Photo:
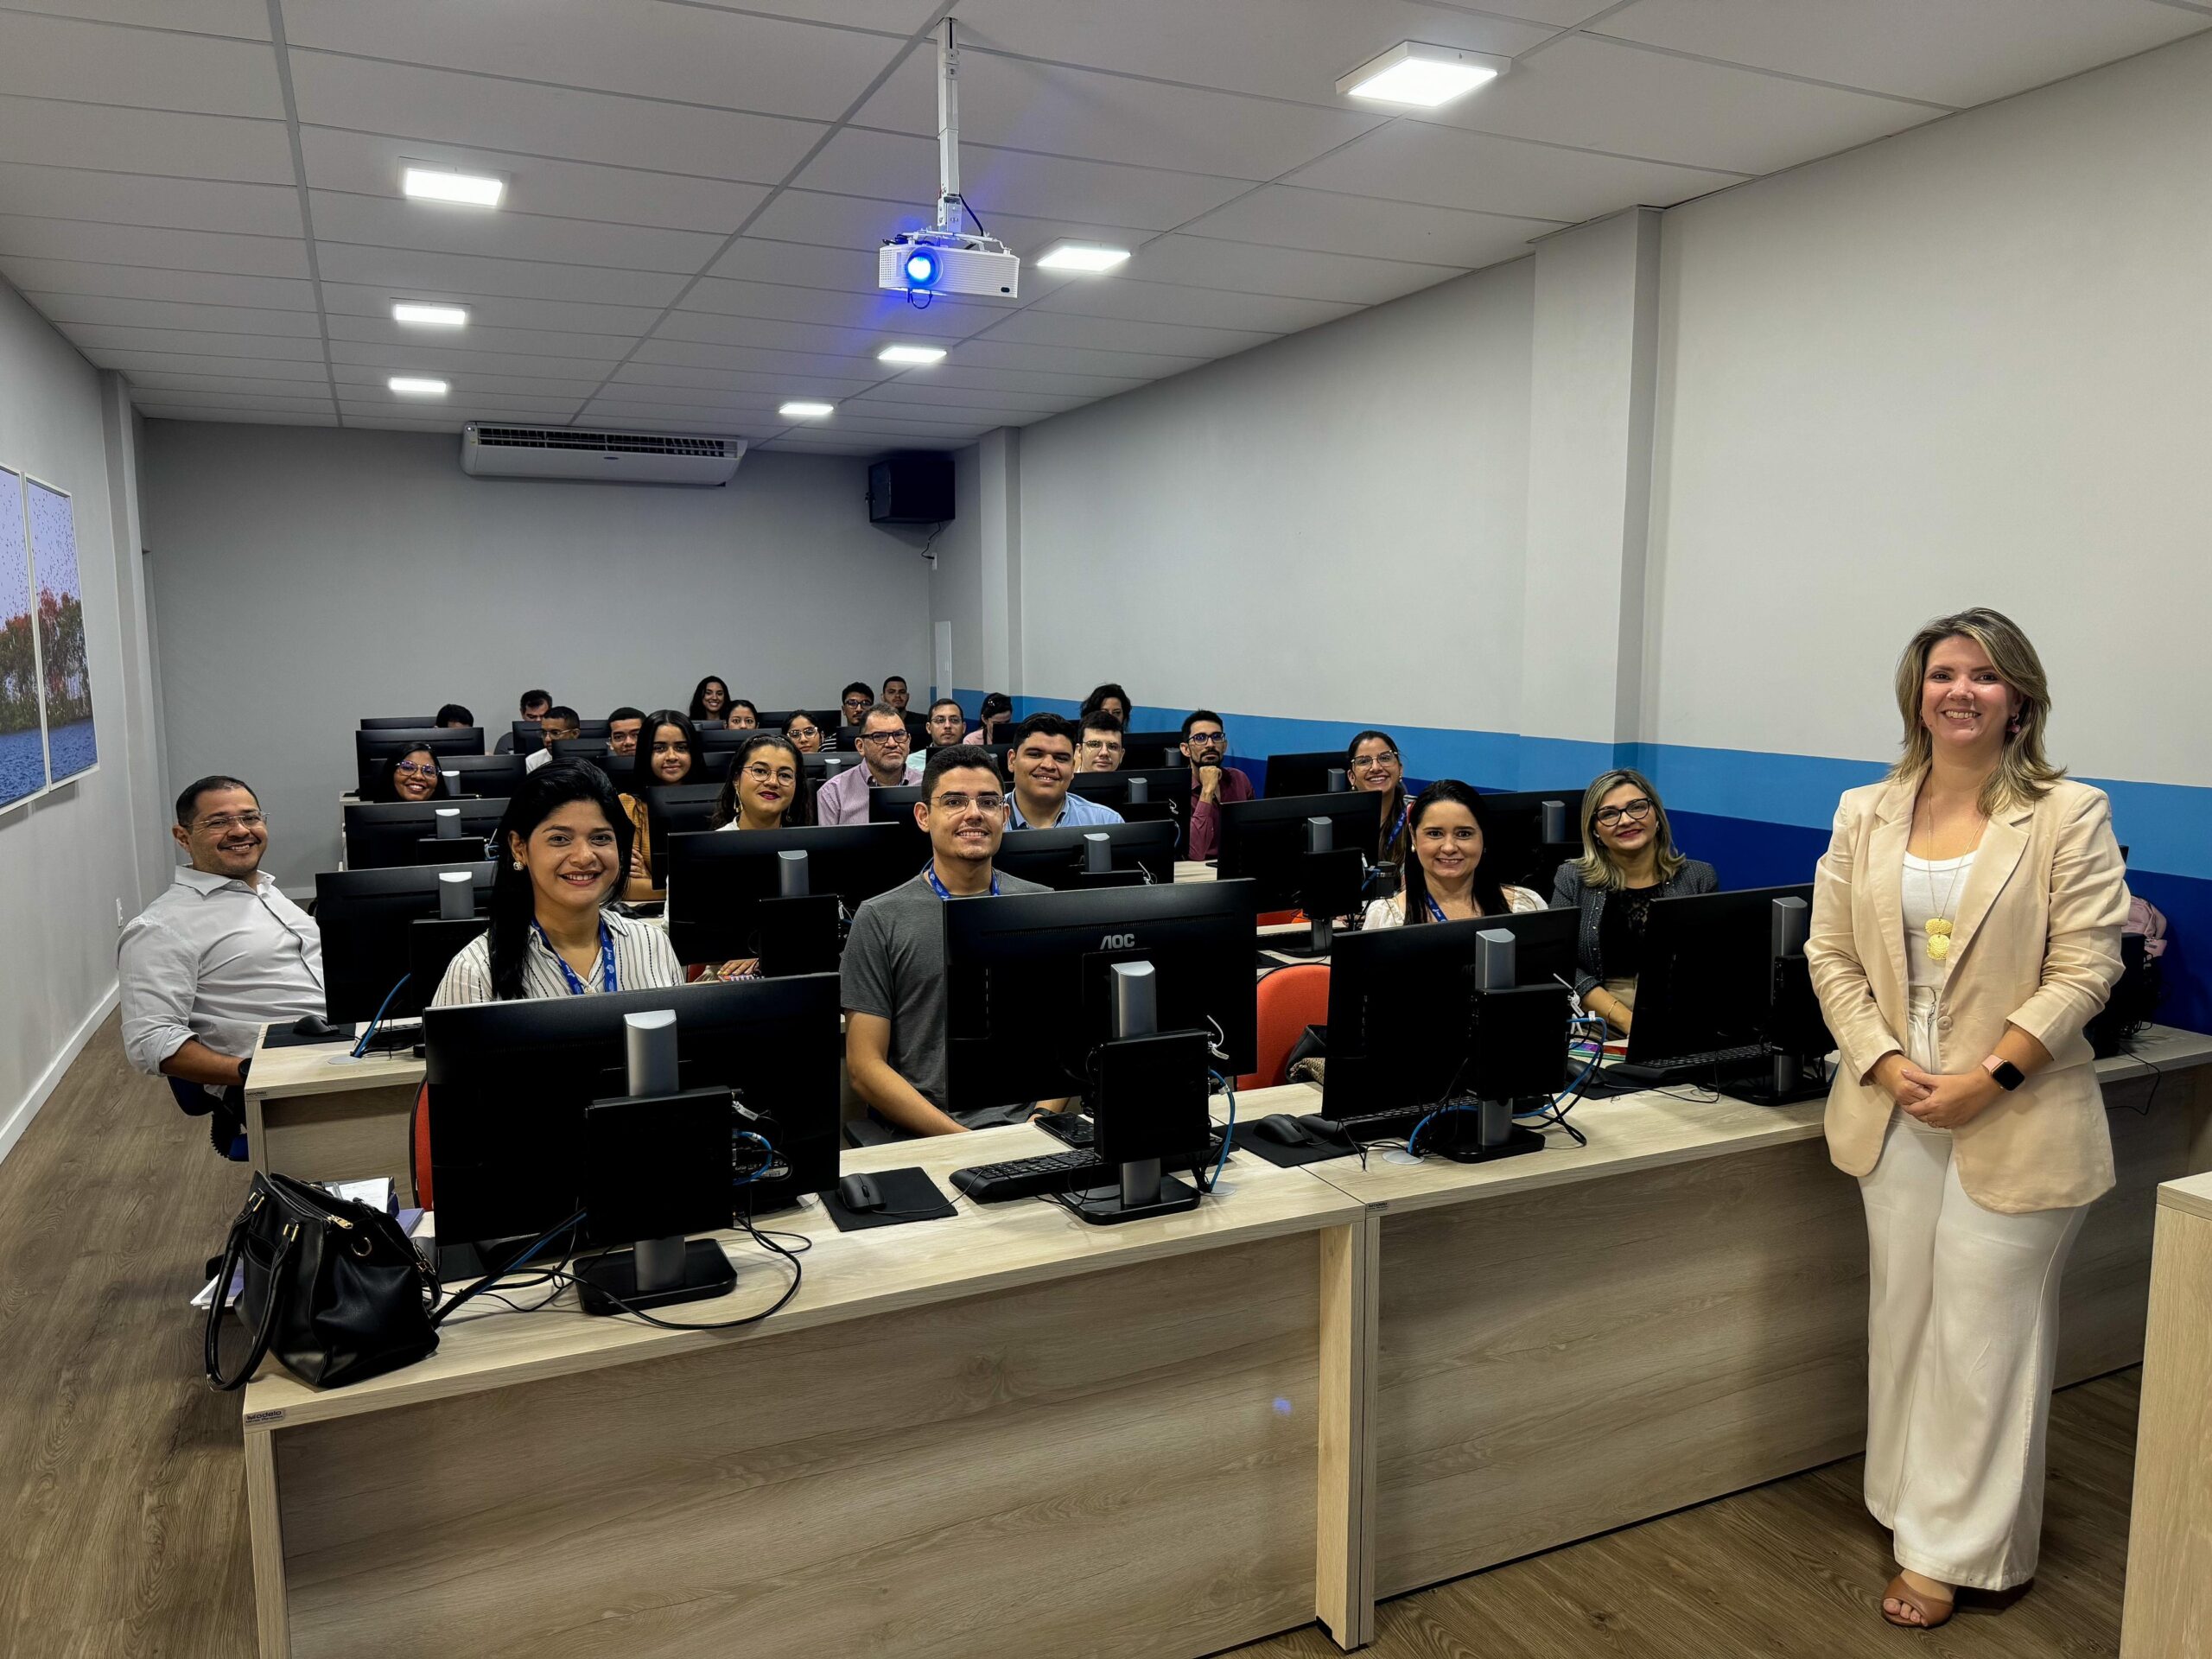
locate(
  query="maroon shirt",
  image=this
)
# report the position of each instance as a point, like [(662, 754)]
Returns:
[(1205, 816)]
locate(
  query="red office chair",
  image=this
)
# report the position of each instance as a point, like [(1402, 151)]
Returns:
[(1291, 999), (418, 1136)]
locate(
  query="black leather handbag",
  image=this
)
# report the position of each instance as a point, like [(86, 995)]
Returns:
[(332, 1288)]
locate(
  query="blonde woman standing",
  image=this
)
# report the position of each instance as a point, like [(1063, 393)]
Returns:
[(1966, 927)]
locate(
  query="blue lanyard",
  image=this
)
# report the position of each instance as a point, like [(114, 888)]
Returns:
[(930, 870), (605, 960), (1435, 910)]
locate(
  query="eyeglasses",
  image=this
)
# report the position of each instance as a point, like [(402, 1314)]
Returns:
[(760, 773), (223, 823), (1100, 745), (417, 769), (959, 803), (1637, 810), (883, 737), (1375, 762), (1200, 740), (855, 702)]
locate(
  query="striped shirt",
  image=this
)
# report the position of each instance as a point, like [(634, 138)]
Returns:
[(643, 960)]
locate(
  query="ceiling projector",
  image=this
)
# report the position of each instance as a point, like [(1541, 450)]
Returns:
[(918, 263)]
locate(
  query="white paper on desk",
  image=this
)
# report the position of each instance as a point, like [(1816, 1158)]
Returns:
[(376, 1193), (230, 1297)]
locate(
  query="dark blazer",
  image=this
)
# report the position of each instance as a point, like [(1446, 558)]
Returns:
[(1568, 892)]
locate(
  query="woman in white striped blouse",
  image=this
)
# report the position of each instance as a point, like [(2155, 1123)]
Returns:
[(565, 842)]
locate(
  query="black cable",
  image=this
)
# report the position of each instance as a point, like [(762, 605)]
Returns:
[(2158, 1077)]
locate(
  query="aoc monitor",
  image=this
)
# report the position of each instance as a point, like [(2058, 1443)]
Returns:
[(1716, 978), (1303, 773), (1129, 854), (383, 835), (485, 774), (1268, 841), (397, 723), (529, 735), (365, 916), (675, 809), (372, 749), (1520, 842), (1148, 749), (730, 893)]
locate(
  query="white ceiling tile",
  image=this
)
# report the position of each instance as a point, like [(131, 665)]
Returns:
[(948, 318), (136, 199), (433, 107), (134, 245), (693, 54), (1054, 109), (366, 164), (70, 310), (143, 141), (866, 414), (154, 411), (1955, 52), (1447, 167), (992, 352), (1112, 335), (1599, 94), (730, 417), (477, 338), (305, 380), (756, 259), (134, 362), (445, 423), (457, 365), (710, 331), (287, 401), (937, 394), (1077, 388), (690, 356), (572, 388), (882, 438), (246, 19), (442, 227), (92, 337), (1298, 273), (705, 384), (139, 282), (1207, 308), (496, 310), (775, 388), (404, 268), (893, 167), (1277, 215), (104, 63), (1281, 48)]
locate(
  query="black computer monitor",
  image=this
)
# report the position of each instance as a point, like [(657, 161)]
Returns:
[(486, 774), (820, 768), (1516, 843), (431, 947), (1029, 984), (384, 835), (1137, 854), (1266, 840), (1303, 773), (1712, 982), (529, 735), (509, 1083), (896, 805), (1405, 1028), (725, 891), (777, 718), (365, 916), (372, 749), (677, 809), (1167, 793), (396, 722), (717, 746), (1149, 749), (579, 748)]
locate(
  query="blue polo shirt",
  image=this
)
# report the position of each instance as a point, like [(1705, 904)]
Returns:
[(1076, 808)]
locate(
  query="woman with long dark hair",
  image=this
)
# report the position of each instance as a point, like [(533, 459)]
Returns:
[(413, 776), (1372, 762), (1111, 698), (563, 843), (1445, 880), (766, 787), (668, 756), (709, 699)]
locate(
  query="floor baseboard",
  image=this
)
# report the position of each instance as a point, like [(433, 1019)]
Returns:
[(20, 1115)]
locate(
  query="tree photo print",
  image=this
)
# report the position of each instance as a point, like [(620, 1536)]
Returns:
[(65, 678), (23, 734)]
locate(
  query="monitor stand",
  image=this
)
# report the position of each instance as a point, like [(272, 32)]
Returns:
[(1782, 1080), (1478, 1132), (1140, 1065), (655, 1273)]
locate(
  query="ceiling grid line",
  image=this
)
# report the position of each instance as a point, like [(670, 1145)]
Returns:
[(300, 182)]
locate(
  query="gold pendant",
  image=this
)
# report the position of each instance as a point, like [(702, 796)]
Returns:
[(1939, 946)]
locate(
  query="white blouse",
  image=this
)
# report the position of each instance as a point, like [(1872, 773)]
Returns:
[(1391, 912), (1930, 889), (643, 960)]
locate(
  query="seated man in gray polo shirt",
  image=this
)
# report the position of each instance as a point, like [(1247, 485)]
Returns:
[(221, 952), (893, 965)]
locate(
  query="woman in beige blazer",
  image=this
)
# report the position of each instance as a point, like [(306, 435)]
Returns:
[(1966, 927)]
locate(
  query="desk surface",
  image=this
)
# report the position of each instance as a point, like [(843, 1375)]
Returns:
[(2192, 1194), (849, 1275), (325, 1069)]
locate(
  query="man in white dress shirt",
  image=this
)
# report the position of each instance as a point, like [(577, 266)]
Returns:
[(221, 952)]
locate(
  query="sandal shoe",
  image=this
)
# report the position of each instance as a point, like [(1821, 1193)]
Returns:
[(1933, 1610)]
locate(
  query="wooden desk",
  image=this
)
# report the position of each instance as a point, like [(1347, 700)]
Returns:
[(2169, 1607), (1009, 1427), (316, 1113), (1582, 1338)]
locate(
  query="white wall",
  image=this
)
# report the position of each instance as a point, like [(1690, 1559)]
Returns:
[(1329, 527), (69, 858), (1965, 365), (307, 577)]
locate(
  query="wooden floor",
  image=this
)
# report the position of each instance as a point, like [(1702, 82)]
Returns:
[(123, 1524)]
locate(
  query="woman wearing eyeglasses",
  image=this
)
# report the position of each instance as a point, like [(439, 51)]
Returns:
[(765, 788), (1629, 858), (1372, 763), (413, 776)]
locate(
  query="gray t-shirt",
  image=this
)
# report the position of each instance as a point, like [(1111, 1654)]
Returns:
[(894, 968)]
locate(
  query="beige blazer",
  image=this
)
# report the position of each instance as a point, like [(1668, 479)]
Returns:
[(2035, 944)]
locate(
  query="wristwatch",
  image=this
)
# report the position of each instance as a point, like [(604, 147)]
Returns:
[(2009, 1077)]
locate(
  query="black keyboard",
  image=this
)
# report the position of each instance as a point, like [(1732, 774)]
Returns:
[(1393, 1125), (1686, 1068), (1072, 1128), (1026, 1178)]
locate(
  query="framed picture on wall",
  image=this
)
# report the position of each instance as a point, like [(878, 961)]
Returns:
[(65, 676), (22, 730)]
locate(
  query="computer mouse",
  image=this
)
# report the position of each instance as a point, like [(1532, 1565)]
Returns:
[(315, 1028), (860, 1194), (1284, 1130)]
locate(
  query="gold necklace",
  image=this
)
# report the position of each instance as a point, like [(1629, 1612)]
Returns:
[(1938, 926)]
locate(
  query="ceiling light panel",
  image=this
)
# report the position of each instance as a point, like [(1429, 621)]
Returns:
[(435, 184), (1421, 76)]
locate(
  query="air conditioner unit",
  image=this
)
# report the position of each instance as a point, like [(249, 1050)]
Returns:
[(598, 457)]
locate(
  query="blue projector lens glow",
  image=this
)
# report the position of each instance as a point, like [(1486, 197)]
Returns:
[(921, 268)]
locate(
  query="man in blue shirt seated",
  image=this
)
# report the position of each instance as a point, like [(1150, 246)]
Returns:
[(1042, 759)]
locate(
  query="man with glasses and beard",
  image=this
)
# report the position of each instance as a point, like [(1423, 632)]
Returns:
[(1213, 780), (843, 799)]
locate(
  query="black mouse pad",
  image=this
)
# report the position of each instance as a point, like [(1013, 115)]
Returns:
[(1248, 1139), (908, 1195), (285, 1036)]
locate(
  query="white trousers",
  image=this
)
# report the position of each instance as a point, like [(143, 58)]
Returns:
[(1962, 1333)]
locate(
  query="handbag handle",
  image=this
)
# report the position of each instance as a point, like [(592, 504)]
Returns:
[(212, 1342)]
